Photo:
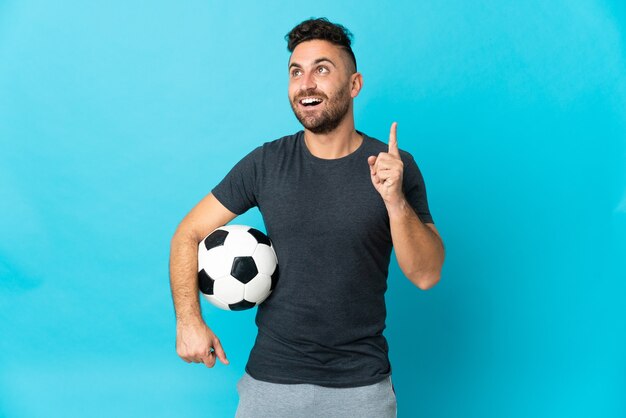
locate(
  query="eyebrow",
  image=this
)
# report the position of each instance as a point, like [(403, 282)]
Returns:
[(317, 61)]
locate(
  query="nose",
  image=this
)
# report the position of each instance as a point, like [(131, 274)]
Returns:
[(307, 82)]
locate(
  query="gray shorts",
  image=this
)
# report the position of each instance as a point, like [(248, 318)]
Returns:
[(260, 399)]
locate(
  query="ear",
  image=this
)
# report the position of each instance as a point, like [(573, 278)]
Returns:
[(356, 83)]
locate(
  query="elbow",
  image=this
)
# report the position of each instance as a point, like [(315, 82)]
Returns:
[(179, 235), (184, 236), (186, 231), (425, 281)]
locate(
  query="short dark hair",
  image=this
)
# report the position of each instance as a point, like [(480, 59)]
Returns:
[(323, 29)]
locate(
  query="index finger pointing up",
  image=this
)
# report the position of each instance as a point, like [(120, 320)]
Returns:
[(393, 140)]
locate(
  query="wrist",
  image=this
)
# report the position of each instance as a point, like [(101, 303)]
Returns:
[(397, 208), (189, 320)]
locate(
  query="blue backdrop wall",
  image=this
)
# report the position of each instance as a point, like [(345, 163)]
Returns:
[(117, 117)]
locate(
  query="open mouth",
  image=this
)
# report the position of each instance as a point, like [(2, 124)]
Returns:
[(310, 101)]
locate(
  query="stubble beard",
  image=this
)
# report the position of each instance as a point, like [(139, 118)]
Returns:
[(336, 109)]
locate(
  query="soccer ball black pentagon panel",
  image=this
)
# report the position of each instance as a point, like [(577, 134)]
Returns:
[(237, 267)]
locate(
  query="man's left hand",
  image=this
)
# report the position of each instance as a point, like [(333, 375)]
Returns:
[(386, 171)]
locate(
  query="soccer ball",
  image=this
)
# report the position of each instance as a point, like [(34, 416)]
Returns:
[(237, 267)]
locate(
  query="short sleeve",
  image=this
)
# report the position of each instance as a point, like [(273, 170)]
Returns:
[(415, 189), (237, 191)]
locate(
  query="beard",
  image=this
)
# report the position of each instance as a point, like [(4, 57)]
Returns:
[(328, 119)]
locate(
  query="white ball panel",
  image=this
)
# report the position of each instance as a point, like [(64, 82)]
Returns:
[(265, 259), (257, 288), (216, 262), (239, 243), (216, 302), (228, 289), (234, 227), (263, 298)]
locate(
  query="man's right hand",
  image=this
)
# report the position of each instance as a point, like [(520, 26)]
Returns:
[(195, 342)]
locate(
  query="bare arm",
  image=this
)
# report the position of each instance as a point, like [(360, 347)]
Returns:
[(419, 248), (194, 339)]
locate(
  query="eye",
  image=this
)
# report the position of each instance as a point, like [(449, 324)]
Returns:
[(322, 70), (296, 72)]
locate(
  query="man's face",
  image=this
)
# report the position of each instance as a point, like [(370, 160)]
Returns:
[(320, 90)]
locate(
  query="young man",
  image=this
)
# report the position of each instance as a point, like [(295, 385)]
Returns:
[(334, 202)]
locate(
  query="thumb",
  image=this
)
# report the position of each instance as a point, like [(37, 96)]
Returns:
[(219, 351), (371, 160)]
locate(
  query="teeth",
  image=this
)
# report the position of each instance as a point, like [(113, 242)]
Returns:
[(309, 100)]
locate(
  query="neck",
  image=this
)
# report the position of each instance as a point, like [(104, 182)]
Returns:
[(341, 141)]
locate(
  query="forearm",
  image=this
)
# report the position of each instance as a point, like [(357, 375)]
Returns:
[(419, 250), (183, 278)]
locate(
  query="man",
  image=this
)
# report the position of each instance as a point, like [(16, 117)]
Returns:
[(334, 202)]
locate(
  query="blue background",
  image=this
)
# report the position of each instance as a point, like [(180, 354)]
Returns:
[(117, 117)]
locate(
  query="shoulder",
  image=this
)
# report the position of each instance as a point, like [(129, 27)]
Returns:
[(282, 144), (274, 148), (277, 149)]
